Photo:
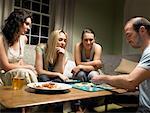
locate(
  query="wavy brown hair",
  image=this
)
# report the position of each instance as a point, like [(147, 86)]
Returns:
[(13, 23)]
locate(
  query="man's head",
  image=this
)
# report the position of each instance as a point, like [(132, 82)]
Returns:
[(136, 29)]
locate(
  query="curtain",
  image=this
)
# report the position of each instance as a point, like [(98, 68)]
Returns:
[(63, 17), (5, 9)]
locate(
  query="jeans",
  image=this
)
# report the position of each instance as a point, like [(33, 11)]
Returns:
[(45, 78), (85, 76), (143, 109)]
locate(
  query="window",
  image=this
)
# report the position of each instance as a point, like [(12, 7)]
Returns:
[(40, 10)]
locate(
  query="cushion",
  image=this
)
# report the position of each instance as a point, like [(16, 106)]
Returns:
[(68, 68), (126, 66), (29, 54)]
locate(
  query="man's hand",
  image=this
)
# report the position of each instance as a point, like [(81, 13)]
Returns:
[(97, 79)]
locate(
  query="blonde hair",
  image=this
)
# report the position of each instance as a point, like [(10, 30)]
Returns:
[(50, 53)]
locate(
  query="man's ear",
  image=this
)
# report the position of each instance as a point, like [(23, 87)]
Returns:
[(142, 29)]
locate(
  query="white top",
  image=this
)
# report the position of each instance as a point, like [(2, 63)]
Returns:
[(16, 55)]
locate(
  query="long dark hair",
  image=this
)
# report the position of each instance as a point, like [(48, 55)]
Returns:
[(12, 24)]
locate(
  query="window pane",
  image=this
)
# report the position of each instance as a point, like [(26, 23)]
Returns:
[(45, 9), (17, 3), (44, 31), (28, 39), (43, 40), (45, 20), (40, 10), (36, 18), (35, 6), (26, 4), (35, 30), (45, 1), (37, 0), (28, 32), (34, 40)]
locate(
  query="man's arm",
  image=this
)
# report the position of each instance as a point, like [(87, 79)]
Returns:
[(126, 81)]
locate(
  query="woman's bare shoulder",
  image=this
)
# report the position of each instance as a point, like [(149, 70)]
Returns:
[(42, 45), (77, 45), (1, 37), (24, 37), (97, 45)]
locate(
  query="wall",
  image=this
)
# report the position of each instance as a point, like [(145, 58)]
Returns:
[(134, 8), (105, 17)]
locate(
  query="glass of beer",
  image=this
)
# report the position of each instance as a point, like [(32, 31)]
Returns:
[(18, 82)]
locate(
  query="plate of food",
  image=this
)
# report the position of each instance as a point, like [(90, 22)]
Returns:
[(49, 86)]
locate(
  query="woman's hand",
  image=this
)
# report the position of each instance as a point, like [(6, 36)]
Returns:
[(76, 70), (97, 64), (60, 50), (21, 62), (63, 77), (30, 67)]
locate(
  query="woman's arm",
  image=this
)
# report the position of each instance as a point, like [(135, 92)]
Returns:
[(4, 59), (60, 61), (80, 65), (128, 81), (97, 63), (77, 54)]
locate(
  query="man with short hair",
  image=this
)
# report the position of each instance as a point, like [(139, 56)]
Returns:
[(137, 31)]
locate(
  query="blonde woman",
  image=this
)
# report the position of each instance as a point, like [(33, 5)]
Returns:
[(50, 58)]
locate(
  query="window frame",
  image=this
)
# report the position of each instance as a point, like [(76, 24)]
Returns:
[(40, 37)]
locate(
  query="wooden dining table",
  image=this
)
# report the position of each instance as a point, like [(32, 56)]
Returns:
[(27, 97)]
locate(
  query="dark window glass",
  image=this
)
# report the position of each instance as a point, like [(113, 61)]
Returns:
[(45, 20), (44, 31), (28, 32), (34, 40), (36, 18), (28, 39), (40, 10), (26, 4), (43, 40), (35, 30), (37, 0), (17, 3), (45, 1), (45, 9), (36, 7)]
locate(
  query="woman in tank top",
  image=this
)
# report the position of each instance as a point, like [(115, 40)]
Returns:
[(12, 42), (87, 56)]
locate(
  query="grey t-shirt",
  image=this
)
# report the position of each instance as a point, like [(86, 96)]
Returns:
[(144, 87)]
